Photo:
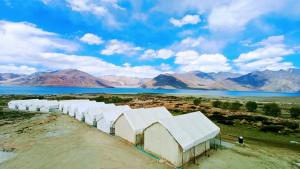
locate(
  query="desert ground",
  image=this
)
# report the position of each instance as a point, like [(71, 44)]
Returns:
[(47, 141)]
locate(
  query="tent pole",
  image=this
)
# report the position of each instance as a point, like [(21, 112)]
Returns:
[(220, 140), (205, 148), (182, 159), (194, 155), (214, 143)]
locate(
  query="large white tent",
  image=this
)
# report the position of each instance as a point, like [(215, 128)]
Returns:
[(94, 113), (109, 116), (180, 138), (130, 124)]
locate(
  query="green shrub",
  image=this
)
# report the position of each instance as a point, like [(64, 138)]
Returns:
[(295, 112), (235, 106), (272, 109), (251, 106), (225, 105), (197, 101), (216, 104)]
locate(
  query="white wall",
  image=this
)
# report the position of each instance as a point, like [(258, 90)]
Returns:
[(158, 141), (124, 130), (103, 125), (199, 149)]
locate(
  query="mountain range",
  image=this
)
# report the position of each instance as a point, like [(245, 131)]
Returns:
[(68, 77), (282, 80)]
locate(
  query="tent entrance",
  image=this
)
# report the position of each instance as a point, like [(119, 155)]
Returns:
[(112, 131)]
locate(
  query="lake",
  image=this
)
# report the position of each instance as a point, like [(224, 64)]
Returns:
[(40, 90)]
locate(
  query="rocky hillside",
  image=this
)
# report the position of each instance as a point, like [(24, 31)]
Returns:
[(68, 77), (283, 81), (8, 76), (124, 81)]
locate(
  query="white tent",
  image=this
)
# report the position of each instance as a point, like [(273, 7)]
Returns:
[(36, 105), (13, 104), (49, 106), (180, 138), (94, 113), (24, 104), (67, 105), (130, 124), (109, 116), (83, 109), (64, 103)]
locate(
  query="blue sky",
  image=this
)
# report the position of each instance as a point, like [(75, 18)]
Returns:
[(146, 38)]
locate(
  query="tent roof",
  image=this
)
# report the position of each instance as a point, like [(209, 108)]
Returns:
[(190, 129), (111, 114), (139, 119)]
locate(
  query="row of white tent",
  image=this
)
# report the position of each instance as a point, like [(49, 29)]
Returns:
[(177, 139), (34, 105)]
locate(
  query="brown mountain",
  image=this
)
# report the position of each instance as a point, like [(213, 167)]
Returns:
[(68, 77), (195, 80), (282, 80), (124, 81)]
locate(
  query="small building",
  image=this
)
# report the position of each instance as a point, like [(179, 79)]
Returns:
[(109, 116), (130, 124), (180, 139)]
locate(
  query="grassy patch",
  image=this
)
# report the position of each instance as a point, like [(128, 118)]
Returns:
[(254, 135)]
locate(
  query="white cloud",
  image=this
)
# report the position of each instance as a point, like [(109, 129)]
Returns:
[(230, 15), (165, 67), (192, 61), (119, 47), (158, 54), (269, 56), (187, 19), (91, 39), (22, 69), (271, 41), (234, 16), (103, 9), (96, 66), (200, 44), (21, 41), (24, 48)]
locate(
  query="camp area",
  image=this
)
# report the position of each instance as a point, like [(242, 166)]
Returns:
[(175, 139)]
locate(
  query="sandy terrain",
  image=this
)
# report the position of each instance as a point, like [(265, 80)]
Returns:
[(58, 141), (68, 144)]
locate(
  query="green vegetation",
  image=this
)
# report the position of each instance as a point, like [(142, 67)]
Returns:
[(251, 106), (235, 106), (255, 135), (225, 105), (8, 116), (295, 112), (217, 104), (197, 101), (272, 109), (113, 99)]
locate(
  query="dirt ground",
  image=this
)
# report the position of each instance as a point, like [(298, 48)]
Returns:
[(58, 141)]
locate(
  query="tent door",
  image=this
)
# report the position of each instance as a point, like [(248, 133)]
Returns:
[(112, 131)]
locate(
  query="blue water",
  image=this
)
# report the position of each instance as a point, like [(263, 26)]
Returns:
[(78, 90)]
